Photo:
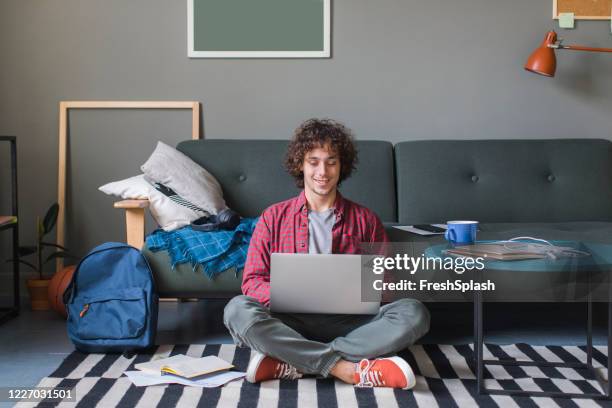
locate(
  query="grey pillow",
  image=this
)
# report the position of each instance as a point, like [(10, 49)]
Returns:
[(188, 179)]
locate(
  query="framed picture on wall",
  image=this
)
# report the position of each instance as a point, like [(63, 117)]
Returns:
[(583, 9), (258, 28)]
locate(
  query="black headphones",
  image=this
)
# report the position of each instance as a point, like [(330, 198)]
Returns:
[(224, 220)]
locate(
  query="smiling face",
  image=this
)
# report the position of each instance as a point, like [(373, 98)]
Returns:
[(321, 169)]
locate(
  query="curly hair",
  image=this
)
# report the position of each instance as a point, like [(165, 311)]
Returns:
[(315, 133)]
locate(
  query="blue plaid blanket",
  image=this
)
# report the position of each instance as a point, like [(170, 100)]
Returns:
[(215, 251)]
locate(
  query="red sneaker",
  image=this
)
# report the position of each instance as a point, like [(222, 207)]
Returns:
[(393, 372), (263, 368)]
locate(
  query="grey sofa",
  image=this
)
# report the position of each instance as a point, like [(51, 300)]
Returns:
[(252, 176), (511, 186)]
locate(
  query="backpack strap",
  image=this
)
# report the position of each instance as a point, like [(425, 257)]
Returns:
[(67, 295)]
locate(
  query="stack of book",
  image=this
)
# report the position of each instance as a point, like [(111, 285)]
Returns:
[(503, 252)]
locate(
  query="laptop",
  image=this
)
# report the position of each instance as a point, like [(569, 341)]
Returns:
[(318, 283)]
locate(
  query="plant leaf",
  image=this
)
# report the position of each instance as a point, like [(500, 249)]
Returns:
[(26, 250), (52, 245), (60, 254), (23, 262), (50, 218), (41, 228)]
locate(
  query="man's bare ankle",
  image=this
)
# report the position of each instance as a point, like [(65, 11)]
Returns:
[(344, 371)]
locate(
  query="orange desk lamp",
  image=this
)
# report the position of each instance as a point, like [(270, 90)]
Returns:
[(542, 61)]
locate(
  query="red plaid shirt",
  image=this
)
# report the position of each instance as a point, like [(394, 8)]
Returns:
[(283, 228)]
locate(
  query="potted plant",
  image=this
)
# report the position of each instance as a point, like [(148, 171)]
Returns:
[(37, 287)]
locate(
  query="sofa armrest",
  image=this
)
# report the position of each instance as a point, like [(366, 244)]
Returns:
[(139, 203), (134, 220)]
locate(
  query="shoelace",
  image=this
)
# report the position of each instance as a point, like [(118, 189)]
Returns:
[(367, 377), (286, 371)]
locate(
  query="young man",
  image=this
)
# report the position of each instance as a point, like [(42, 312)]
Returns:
[(319, 220)]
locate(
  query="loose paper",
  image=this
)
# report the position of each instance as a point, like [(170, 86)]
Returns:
[(196, 367), (142, 378), (566, 20)]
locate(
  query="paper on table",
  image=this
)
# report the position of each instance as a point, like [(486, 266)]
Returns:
[(492, 250), (411, 228), (566, 20), (141, 378)]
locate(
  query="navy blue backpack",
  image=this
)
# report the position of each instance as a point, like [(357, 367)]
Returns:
[(111, 301)]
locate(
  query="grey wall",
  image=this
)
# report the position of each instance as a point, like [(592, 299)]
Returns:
[(400, 70)]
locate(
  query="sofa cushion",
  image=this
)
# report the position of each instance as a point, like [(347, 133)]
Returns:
[(183, 281), (252, 175), (555, 180)]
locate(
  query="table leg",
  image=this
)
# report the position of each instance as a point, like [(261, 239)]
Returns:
[(609, 388), (479, 361), (478, 340), (589, 322)]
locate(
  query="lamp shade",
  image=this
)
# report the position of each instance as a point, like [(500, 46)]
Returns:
[(542, 61)]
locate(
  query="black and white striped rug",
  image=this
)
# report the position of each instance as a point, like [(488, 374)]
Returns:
[(445, 378)]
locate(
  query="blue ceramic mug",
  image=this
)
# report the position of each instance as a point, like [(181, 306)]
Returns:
[(461, 232)]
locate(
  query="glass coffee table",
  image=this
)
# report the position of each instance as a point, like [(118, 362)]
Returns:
[(589, 278)]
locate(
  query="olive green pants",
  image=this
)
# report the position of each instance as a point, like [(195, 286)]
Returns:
[(313, 343)]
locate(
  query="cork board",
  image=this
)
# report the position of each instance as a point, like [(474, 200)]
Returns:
[(583, 9)]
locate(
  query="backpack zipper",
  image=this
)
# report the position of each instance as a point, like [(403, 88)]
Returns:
[(85, 309)]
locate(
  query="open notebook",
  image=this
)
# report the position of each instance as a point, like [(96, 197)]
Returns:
[(185, 366)]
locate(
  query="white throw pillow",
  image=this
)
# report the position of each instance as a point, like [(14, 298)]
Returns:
[(167, 213), (188, 179)]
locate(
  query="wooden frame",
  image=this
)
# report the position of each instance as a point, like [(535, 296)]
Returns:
[(577, 6), (65, 106), (193, 53)]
